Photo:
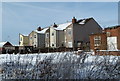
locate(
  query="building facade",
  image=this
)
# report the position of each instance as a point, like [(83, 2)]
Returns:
[(77, 34), (23, 40), (108, 40), (6, 47), (55, 36), (37, 38), (71, 34)]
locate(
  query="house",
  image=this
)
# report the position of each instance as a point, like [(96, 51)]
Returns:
[(6, 47), (113, 37), (109, 39), (37, 38), (77, 34), (23, 40), (98, 41), (71, 34), (55, 35)]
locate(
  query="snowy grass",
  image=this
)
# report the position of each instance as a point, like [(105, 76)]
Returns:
[(60, 65)]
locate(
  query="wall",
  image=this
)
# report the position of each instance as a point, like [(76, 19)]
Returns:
[(115, 32), (115, 53), (103, 45), (68, 37), (32, 39), (60, 38), (52, 37), (82, 32), (47, 39), (24, 41), (41, 40)]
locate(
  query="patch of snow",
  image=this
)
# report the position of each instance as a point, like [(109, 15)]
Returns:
[(2, 43), (42, 31), (82, 22), (63, 26)]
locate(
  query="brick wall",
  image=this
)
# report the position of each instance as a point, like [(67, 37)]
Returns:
[(115, 32), (115, 53), (103, 45)]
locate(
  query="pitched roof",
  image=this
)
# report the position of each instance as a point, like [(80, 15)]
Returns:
[(2, 44), (63, 26), (42, 31), (83, 21), (5, 44), (23, 34)]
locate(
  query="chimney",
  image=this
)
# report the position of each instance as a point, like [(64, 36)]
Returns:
[(74, 20), (55, 25), (39, 28)]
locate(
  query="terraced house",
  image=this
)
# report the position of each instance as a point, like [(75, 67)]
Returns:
[(37, 38), (23, 40), (73, 34)]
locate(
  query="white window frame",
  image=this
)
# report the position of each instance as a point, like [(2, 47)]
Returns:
[(47, 35), (97, 38)]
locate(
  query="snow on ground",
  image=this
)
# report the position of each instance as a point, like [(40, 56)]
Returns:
[(56, 57), (65, 64)]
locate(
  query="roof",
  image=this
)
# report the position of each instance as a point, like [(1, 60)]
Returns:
[(42, 31), (24, 34), (2, 44), (83, 21), (113, 27), (63, 26)]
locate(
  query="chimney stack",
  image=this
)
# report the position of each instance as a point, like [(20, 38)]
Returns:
[(39, 28), (74, 20), (55, 25)]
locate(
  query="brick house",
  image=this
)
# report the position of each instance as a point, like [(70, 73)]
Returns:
[(109, 39)]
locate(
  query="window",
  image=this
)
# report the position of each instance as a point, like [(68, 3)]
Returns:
[(21, 38), (108, 34), (69, 32), (52, 44), (47, 35), (34, 36), (30, 37), (97, 40), (52, 34)]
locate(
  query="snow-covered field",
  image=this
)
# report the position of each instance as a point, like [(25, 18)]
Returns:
[(64, 65)]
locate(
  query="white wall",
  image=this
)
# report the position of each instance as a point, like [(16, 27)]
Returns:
[(112, 43)]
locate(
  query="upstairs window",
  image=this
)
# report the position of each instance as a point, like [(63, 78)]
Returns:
[(21, 39), (108, 34), (69, 32), (97, 40), (52, 34), (34, 36), (47, 35)]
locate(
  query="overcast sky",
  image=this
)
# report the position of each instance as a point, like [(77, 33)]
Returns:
[(23, 17)]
